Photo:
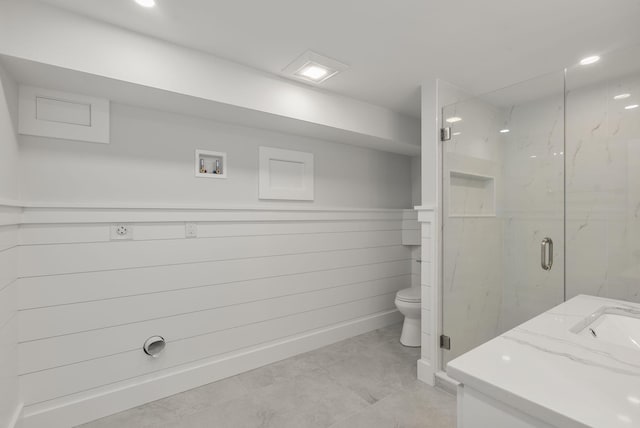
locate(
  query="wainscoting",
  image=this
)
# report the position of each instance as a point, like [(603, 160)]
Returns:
[(10, 405), (253, 287)]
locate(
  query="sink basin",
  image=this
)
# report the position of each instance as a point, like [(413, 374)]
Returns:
[(612, 324)]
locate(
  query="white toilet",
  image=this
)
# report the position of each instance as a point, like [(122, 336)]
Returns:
[(408, 302)]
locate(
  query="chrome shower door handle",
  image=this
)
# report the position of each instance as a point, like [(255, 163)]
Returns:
[(546, 253)]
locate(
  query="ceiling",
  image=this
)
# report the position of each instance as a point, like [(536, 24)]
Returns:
[(391, 46)]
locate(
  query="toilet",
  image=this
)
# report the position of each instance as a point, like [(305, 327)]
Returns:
[(408, 302)]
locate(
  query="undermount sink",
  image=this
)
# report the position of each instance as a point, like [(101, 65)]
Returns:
[(613, 324)]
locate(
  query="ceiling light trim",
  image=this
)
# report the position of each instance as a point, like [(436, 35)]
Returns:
[(590, 60), (622, 96), (313, 59), (146, 3)]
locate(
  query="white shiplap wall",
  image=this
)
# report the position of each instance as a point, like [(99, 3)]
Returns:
[(255, 286), (10, 404), (429, 363)]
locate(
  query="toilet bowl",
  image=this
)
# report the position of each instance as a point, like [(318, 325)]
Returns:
[(408, 302)]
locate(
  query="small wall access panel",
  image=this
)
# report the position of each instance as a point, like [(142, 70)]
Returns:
[(55, 114), (286, 174), (211, 164)]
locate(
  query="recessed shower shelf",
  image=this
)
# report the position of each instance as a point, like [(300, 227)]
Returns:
[(471, 195)]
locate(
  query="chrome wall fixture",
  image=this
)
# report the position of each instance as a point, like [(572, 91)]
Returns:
[(154, 345)]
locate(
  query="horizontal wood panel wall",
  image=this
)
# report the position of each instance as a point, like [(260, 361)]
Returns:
[(9, 389), (250, 277)]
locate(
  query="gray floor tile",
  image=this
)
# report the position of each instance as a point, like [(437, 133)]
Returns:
[(375, 375), (417, 407), (310, 400), (366, 381), (276, 372)]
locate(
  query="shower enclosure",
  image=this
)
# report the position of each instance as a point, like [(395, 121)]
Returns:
[(540, 198)]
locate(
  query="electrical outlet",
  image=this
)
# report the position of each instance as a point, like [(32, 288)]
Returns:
[(191, 230), (121, 232)]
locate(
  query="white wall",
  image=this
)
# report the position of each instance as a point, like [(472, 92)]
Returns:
[(416, 181), (151, 160), (263, 280), (10, 401), (8, 140), (31, 30)]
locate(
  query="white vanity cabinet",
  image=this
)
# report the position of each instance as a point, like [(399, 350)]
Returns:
[(574, 366)]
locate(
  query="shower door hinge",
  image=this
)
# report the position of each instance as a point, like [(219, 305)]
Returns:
[(445, 134), (445, 342)]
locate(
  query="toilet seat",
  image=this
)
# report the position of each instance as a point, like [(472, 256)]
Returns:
[(409, 295)]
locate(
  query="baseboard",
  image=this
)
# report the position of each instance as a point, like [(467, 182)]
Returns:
[(16, 419), (90, 405), (444, 382), (426, 372)]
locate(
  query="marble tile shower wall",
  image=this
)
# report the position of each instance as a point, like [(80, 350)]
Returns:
[(533, 208), (492, 280), (472, 273), (603, 190)]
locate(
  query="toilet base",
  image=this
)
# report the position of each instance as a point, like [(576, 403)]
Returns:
[(411, 332)]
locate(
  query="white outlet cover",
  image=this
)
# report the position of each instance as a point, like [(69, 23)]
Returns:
[(121, 232), (191, 230)]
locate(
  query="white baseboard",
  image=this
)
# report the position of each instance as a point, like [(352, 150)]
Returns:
[(16, 419), (447, 383), (90, 405), (426, 372)]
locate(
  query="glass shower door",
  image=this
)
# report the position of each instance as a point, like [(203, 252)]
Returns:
[(502, 211)]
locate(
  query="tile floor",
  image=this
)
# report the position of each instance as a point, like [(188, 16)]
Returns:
[(366, 381)]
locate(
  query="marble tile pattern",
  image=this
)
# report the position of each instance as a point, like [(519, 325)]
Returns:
[(533, 204), (366, 381), (492, 279), (565, 379), (603, 186), (472, 270)]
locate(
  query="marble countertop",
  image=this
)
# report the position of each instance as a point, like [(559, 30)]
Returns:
[(564, 379)]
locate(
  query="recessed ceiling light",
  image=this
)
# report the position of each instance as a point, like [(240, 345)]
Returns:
[(314, 68), (589, 60), (533, 156), (146, 3), (504, 131), (315, 72), (457, 133), (631, 107), (453, 119), (621, 96)]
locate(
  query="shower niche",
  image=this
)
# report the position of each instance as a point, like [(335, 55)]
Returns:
[(471, 195), (471, 185)]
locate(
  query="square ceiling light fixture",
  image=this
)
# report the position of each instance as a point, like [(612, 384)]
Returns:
[(314, 68)]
